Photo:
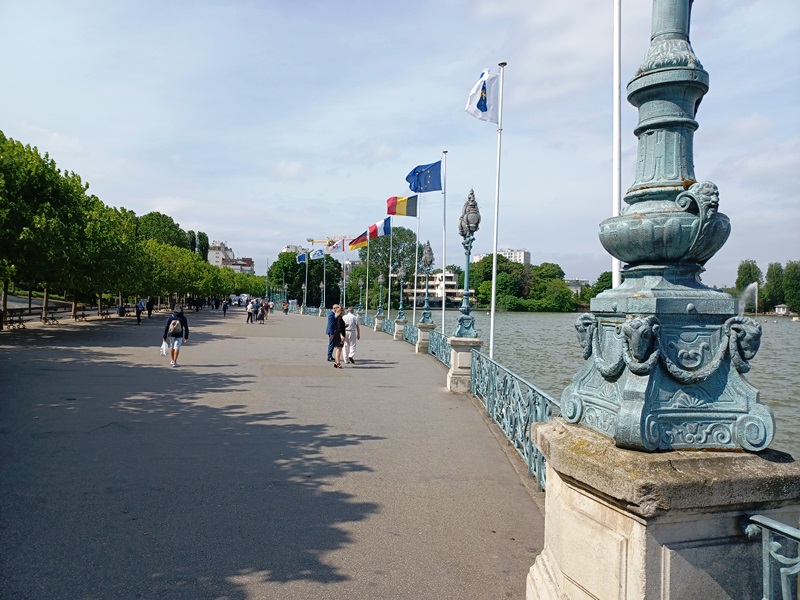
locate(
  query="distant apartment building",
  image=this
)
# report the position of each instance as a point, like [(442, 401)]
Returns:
[(293, 248), (439, 285), (218, 252), (241, 265), (521, 256)]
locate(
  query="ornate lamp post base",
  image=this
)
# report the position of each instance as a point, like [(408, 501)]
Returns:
[(466, 327)]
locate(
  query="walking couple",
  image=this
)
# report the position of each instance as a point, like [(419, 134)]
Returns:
[(343, 332)]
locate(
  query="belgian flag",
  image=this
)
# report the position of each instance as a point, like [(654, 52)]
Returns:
[(406, 207)]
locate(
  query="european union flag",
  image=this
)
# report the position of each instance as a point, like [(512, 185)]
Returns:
[(426, 178)]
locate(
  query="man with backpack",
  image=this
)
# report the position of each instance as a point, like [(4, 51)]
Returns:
[(176, 332)]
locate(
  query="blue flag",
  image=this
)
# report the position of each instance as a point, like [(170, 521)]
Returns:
[(426, 178), (301, 258)]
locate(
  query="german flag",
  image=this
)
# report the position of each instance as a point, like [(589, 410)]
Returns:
[(406, 207), (360, 242)]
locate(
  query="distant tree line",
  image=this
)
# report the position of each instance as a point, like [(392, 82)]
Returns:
[(781, 286), (56, 237)]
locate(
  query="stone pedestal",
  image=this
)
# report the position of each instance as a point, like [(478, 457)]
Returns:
[(626, 524), (378, 322), (399, 326), (423, 340), (458, 377)]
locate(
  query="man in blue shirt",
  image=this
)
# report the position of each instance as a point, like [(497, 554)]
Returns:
[(331, 330)]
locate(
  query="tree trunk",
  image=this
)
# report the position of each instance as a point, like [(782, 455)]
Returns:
[(4, 320), (44, 304)]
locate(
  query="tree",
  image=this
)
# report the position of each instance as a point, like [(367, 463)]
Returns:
[(191, 241), (541, 276), (404, 249), (482, 271), (160, 227), (603, 283), (772, 294), (791, 285), (557, 297), (202, 245), (747, 273)]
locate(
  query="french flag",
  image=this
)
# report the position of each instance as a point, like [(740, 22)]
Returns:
[(381, 228)]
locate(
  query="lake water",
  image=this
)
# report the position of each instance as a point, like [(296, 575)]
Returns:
[(543, 349)]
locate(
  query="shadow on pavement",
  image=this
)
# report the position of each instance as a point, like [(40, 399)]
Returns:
[(124, 480)]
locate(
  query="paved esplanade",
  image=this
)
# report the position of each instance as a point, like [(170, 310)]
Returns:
[(254, 470)]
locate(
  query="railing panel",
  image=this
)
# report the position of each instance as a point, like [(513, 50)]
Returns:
[(780, 563), (369, 321), (439, 347), (410, 333), (514, 404), (388, 326)]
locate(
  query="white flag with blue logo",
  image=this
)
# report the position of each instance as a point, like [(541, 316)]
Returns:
[(318, 253), (483, 101)]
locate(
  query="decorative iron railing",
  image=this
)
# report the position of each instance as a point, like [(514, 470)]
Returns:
[(514, 404), (369, 321), (411, 333), (388, 326), (439, 347), (780, 563)]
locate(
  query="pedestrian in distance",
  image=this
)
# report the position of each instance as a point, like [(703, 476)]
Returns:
[(249, 312), (352, 335), (139, 311), (150, 304), (338, 337), (176, 333), (224, 307), (330, 329)]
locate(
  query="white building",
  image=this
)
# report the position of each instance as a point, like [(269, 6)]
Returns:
[(439, 285), (521, 256), (241, 265), (293, 248), (575, 285), (218, 253)]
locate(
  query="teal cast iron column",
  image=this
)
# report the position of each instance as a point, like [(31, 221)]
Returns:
[(467, 227), (665, 354)]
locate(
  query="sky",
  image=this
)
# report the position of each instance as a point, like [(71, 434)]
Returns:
[(264, 123)]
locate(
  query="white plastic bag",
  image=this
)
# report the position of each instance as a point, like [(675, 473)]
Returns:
[(164, 348)]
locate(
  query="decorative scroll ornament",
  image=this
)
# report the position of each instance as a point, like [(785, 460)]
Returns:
[(669, 54)]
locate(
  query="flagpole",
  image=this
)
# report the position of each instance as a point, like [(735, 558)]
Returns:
[(344, 278), (444, 232), (502, 66), (366, 298), (416, 262), (389, 287), (324, 285), (616, 187), (305, 290)]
